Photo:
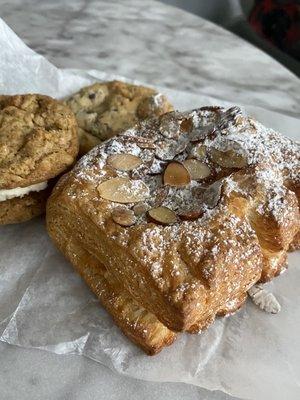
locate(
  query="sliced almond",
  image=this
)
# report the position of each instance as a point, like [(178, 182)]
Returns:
[(228, 159), (212, 194), (140, 208), (124, 162), (162, 215), (228, 117), (123, 216), (199, 151), (197, 169), (190, 215), (176, 174), (123, 190), (201, 133), (187, 125), (169, 126)]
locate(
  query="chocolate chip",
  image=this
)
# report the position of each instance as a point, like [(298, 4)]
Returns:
[(92, 96)]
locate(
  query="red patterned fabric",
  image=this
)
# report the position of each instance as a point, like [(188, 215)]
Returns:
[(279, 22)]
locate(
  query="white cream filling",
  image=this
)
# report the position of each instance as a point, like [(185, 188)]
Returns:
[(6, 194)]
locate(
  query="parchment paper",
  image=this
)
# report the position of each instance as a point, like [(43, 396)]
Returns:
[(45, 305)]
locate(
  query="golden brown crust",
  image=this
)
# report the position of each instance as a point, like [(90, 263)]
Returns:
[(275, 228), (231, 228), (108, 108), (229, 308), (232, 306), (179, 304), (295, 245), (38, 139), (142, 327)]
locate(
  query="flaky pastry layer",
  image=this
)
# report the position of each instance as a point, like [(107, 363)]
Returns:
[(185, 239)]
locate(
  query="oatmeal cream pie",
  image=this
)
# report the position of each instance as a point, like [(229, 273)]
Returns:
[(38, 141), (173, 221), (108, 108)]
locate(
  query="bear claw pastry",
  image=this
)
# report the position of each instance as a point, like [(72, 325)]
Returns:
[(38, 141), (105, 109), (185, 212)]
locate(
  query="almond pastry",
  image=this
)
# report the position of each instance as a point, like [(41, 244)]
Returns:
[(169, 251)]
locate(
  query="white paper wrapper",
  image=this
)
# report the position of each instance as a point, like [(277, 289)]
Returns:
[(44, 304)]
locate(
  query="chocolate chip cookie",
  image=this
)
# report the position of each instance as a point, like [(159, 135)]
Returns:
[(38, 141), (105, 109)]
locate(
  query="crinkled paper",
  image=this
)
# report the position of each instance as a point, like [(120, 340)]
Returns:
[(45, 305)]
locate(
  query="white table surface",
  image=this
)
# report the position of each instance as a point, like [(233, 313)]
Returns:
[(158, 45)]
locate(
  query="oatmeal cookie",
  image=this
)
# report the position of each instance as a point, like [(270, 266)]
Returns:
[(38, 141)]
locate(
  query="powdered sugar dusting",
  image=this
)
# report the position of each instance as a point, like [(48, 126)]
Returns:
[(268, 163), (214, 128), (264, 299)]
